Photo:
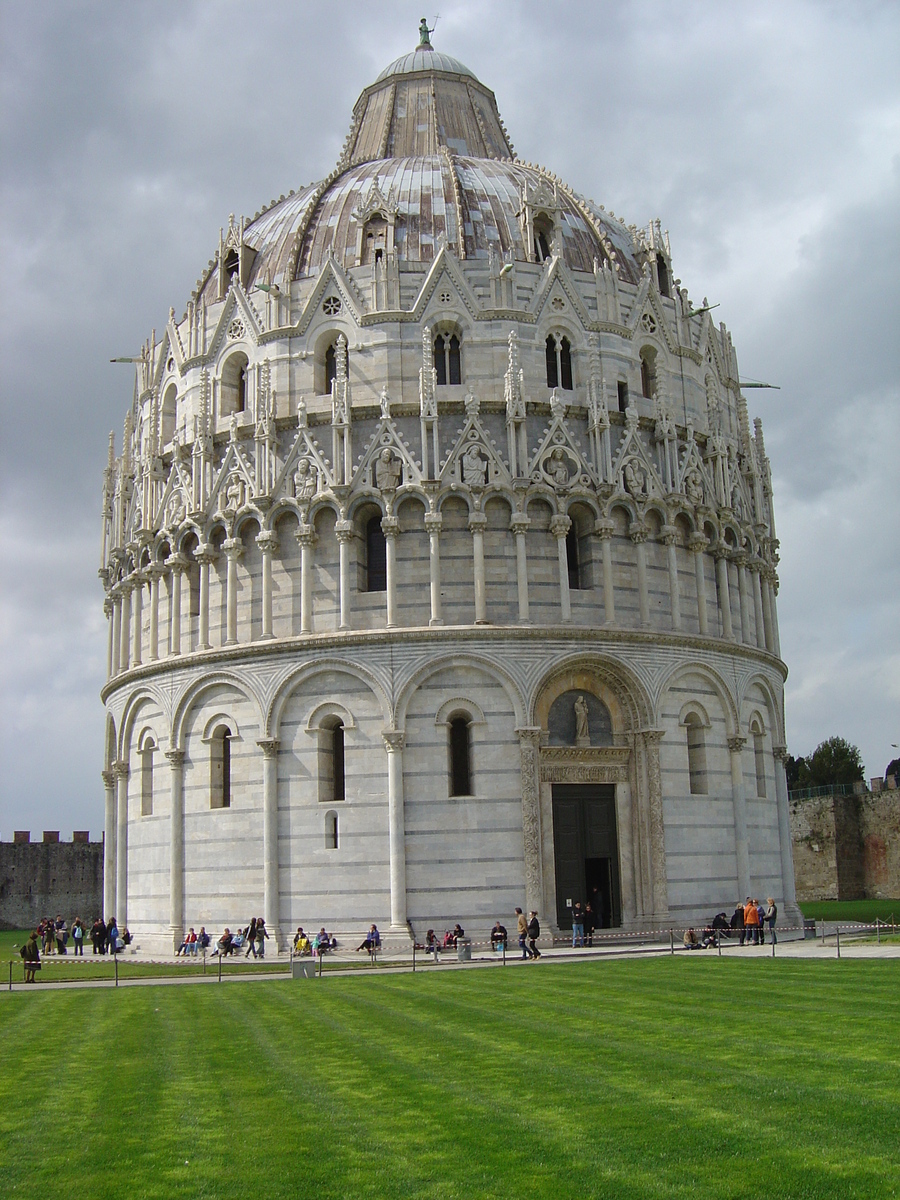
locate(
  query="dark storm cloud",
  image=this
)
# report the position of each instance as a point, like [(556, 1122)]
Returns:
[(766, 136)]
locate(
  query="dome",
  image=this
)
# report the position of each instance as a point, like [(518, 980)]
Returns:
[(424, 58)]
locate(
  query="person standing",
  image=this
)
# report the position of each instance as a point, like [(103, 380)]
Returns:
[(31, 957), (589, 922), (261, 936), (577, 925), (771, 917), (250, 935), (737, 921), (522, 931), (534, 932), (78, 937), (751, 922)]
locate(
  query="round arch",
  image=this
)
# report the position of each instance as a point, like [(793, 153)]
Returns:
[(625, 697), (194, 694), (272, 717), (476, 661)]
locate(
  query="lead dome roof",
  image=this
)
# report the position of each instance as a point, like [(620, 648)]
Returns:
[(427, 140)]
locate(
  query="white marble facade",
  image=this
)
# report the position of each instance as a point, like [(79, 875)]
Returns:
[(438, 446)]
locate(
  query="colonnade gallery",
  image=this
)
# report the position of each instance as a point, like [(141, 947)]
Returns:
[(440, 562)]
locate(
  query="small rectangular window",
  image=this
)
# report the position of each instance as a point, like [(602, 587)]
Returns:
[(623, 395)]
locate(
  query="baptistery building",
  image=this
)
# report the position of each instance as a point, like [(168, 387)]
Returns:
[(439, 562)]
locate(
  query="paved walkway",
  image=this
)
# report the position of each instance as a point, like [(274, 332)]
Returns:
[(278, 966)]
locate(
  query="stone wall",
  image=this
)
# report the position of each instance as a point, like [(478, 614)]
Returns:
[(847, 847), (39, 879)]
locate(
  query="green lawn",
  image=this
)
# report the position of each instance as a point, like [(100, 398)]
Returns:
[(852, 910), (673, 1077)]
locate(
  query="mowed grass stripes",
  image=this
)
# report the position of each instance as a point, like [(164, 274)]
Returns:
[(658, 1078)]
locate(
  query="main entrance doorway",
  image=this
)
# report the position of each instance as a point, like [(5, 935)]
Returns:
[(586, 851)]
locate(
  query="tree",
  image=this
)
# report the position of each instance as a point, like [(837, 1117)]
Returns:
[(833, 761)]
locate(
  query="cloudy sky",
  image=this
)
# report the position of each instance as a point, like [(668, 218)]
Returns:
[(765, 135)]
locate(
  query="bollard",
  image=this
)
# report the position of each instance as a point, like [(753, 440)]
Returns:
[(10, 974), (773, 947), (414, 955), (116, 961), (837, 939), (719, 941), (671, 941), (504, 952), (321, 961), (877, 932), (204, 960), (220, 966), (823, 931)]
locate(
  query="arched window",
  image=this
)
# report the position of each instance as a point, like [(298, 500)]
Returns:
[(662, 274), (543, 238), (330, 368), (759, 756), (374, 243), (168, 415), (233, 396), (147, 751), (231, 264), (696, 748), (331, 831), (447, 360), (648, 372), (376, 556), (460, 756), (559, 362), (622, 388), (331, 761), (220, 768)]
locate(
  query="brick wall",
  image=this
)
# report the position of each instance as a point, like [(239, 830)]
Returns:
[(847, 847), (39, 879)]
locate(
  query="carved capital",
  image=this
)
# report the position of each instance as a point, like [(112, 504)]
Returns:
[(668, 535), (519, 523), (477, 522), (394, 740), (736, 744), (653, 736), (604, 529), (698, 542), (109, 778), (176, 758), (269, 746), (233, 547), (433, 522), (560, 526), (176, 563), (121, 769), (344, 530), (780, 752), (267, 540), (205, 553), (721, 552), (305, 535), (638, 532)]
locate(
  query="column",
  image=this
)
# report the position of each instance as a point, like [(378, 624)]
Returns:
[(741, 560), (109, 846), (789, 895), (176, 846), (773, 614), (721, 557), (121, 914), (109, 609), (477, 522), (697, 543), (757, 604), (626, 852), (306, 539), (391, 527), (117, 632), (530, 758), (268, 544), (393, 741), (638, 534), (137, 615), (271, 898), (233, 548), (767, 609), (433, 523), (604, 531), (125, 628), (741, 843), (153, 648), (669, 536), (519, 525), (344, 531), (658, 872), (177, 563), (205, 555), (559, 527)]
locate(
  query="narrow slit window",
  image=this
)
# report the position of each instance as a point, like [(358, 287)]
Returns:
[(460, 757), (759, 755), (573, 558), (220, 768), (622, 388), (147, 777), (330, 367), (376, 556), (448, 359), (331, 831), (696, 748)]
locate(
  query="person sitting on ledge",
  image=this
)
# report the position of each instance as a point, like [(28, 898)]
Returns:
[(301, 942), (372, 940), (691, 941), (323, 942), (188, 946), (432, 945), (458, 932), (498, 936), (225, 944)]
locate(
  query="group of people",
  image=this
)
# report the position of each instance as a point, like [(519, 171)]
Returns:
[(53, 937), (319, 943), (249, 940), (748, 922), (194, 943)]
